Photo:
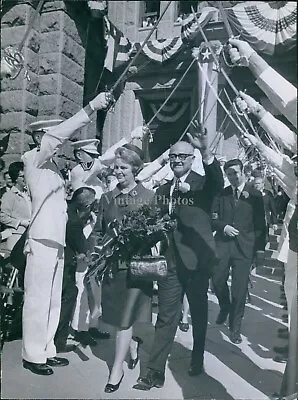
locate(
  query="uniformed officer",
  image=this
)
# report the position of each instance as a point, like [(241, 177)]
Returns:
[(46, 238), (86, 173)]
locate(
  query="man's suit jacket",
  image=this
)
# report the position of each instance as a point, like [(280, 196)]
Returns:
[(270, 208), (193, 237), (76, 243), (246, 214)]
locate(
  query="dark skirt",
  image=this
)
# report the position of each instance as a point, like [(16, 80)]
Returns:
[(124, 301)]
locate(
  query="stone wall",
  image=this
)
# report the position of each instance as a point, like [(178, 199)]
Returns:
[(54, 56)]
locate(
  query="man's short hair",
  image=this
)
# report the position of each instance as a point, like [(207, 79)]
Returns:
[(82, 190), (14, 170), (258, 173), (232, 163)]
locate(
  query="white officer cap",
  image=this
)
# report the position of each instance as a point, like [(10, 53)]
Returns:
[(88, 145), (41, 126)]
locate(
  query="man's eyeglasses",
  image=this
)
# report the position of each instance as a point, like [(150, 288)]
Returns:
[(181, 156)]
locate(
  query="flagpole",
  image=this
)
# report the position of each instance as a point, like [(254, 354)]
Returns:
[(119, 80)]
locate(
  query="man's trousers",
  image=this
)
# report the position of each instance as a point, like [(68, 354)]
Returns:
[(88, 302), (68, 301), (240, 278), (42, 299), (170, 295)]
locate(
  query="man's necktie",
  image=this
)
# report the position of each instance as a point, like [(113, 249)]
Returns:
[(175, 195), (236, 194)]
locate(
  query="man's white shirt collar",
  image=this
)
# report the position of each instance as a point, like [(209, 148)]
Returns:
[(239, 188)]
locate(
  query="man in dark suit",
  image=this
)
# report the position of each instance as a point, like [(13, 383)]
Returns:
[(269, 207), (190, 255), (239, 221)]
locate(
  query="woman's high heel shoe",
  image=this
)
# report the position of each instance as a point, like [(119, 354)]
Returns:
[(110, 388), (133, 362)]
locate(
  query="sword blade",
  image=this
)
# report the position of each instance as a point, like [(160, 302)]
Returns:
[(225, 19)]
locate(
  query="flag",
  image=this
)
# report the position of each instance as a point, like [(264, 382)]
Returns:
[(207, 70), (119, 48), (189, 25), (4, 144)]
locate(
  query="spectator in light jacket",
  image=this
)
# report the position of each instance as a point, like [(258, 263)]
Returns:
[(15, 211)]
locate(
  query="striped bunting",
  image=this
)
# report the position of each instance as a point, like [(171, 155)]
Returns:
[(162, 49), (269, 27), (170, 112), (189, 26)]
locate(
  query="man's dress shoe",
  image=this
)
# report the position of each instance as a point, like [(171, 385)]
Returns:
[(110, 388), (283, 335), (97, 334), (281, 330), (57, 362), (39, 369), (235, 338), (183, 326), (222, 317), (281, 349), (285, 318), (281, 358), (85, 339), (67, 348), (150, 380), (195, 370)]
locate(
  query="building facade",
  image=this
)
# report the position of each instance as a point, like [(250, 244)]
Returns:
[(64, 56)]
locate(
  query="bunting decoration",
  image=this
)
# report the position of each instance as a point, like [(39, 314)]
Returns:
[(120, 49), (270, 27), (162, 49), (189, 25), (170, 112)]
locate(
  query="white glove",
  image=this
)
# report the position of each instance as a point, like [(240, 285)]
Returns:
[(240, 49), (139, 132), (195, 52), (249, 104), (101, 101)]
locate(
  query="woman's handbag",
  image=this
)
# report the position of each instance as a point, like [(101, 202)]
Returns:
[(148, 268)]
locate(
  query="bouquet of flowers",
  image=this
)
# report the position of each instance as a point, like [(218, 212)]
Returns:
[(140, 230), (133, 236)]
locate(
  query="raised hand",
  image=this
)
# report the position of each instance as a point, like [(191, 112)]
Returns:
[(252, 139), (101, 101), (247, 103), (139, 132), (239, 49), (199, 137)]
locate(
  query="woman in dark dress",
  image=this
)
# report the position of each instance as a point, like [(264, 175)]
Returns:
[(123, 301)]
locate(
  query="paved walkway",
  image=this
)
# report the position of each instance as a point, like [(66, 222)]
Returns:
[(245, 371)]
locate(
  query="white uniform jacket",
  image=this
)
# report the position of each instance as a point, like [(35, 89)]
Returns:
[(279, 132), (45, 183), (281, 93)]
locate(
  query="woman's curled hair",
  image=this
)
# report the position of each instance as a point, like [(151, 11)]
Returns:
[(130, 157)]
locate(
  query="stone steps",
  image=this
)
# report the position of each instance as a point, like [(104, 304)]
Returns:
[(269, 265)]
